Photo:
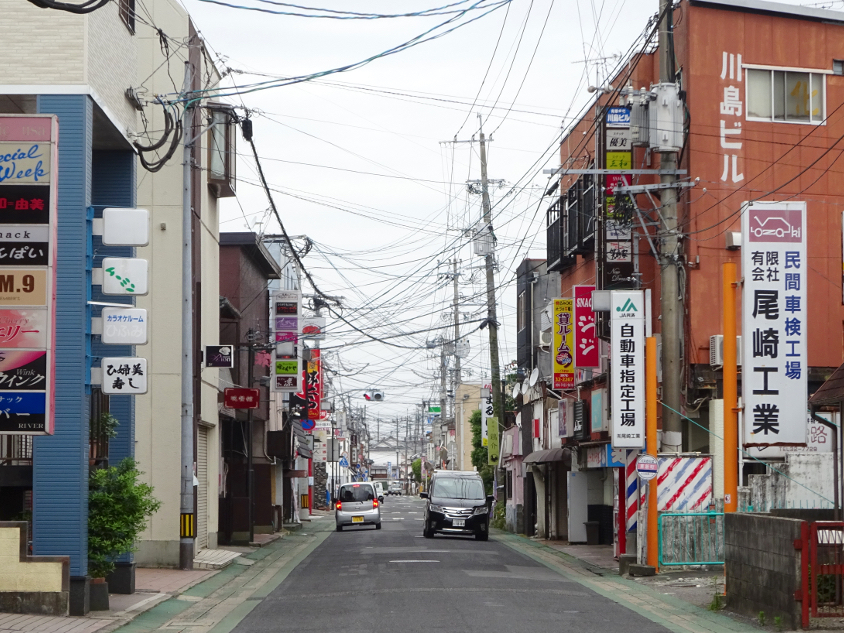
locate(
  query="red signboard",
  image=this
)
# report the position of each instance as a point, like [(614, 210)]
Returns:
[(586, 352), (239, 398)]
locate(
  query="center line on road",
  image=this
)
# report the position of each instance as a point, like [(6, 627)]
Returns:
[(414, 561)]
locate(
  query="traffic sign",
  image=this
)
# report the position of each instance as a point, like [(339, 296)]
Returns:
[(308, 425), (647, 466), (240, 398)]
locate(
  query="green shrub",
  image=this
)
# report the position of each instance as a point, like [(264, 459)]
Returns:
[(118, 509)]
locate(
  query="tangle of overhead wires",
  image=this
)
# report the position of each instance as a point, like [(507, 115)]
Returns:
[(172, 132), (86, 7)]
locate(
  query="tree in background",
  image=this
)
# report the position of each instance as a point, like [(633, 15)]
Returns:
[(479, 453), (416, 467)]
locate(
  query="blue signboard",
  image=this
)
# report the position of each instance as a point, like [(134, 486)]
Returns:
[(618, 117)]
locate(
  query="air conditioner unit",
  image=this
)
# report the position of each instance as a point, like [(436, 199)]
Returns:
[(546, 338), (716, 350)]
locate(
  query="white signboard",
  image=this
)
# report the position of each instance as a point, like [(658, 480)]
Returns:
[(124, 326), (125, 276), (126, 376), (774, 323), (125, 227), (819, 439), (627, 314)]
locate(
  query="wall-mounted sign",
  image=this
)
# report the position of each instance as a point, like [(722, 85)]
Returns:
[(562, 352), (124, 376), (219, 356), (125, 276), (28, 204), (124, 326), (23, 328), (25, 163), (774, 322), (23, 287), (627, 339)]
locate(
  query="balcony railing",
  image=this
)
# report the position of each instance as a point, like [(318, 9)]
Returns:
[(15, 450)]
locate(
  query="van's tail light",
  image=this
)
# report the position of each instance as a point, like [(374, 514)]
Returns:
[(374, 503), (339, 505)]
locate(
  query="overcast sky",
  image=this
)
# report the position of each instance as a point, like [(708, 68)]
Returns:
[(359, 164)]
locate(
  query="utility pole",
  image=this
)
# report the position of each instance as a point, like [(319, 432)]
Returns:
[(250, 448), (671, 260), (187, 531), (442, 420), (492, 320)]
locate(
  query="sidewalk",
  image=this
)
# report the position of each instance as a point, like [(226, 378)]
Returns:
[(677, 600), (161, 594)]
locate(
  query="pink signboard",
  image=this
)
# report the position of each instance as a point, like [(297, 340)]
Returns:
[(586, 352)]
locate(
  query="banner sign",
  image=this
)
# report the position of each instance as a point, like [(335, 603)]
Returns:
[(616, 245), (285, 311), (774, 323), (627, 314), (586, 340), (487, 411), (28, 205), (562, 361), (492, 443)]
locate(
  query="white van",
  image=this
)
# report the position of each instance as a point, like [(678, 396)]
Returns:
[(379, 490)]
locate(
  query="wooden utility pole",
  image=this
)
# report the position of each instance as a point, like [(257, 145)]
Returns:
[(492, 319)]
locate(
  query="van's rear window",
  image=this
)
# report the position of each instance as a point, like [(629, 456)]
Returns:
[(356, 493)]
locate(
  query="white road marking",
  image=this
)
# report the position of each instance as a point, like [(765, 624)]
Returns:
[(414, 561)]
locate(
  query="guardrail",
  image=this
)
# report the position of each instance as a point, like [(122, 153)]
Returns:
[(691, 538)]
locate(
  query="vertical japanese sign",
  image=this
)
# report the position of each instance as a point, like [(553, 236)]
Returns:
[(586, 340), (285, 314), (28, 205), (563, 352), (774, 385), (731, 111), (313, 386), (487, 411), (627, 314), (492, 445), (617, 242)]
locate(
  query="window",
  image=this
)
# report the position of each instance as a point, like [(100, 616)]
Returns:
[(127, 14), (786, 95), (221, 151), (521, 308), (458, 488), (356, 492)]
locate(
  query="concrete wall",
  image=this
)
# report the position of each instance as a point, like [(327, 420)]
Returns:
[(762, 566), (29, 584), (468, 400), (783, 489)]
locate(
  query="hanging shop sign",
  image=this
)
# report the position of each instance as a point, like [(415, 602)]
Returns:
[(124, 326), (492, 444), (627, 339), (313, 328), (241, 398), (124, 376), (28, 204), (774, 323), (562, 360), (219, 356), (586, 340), (285, 311)]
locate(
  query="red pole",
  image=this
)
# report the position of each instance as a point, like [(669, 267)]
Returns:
[(622, 512), (310, 485)]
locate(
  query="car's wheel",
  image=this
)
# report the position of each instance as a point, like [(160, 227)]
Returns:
[(339, 528), (377, 526), (482, 536), (427, 533)]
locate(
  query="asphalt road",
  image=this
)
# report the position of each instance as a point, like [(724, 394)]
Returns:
[(393, 580)]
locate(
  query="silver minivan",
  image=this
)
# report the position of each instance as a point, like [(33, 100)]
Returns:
[(357, 504)]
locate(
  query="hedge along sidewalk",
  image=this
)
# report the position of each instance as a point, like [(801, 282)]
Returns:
[(672, 613), (221, 602)]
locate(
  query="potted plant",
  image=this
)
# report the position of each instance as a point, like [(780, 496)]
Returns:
[(118, 508)]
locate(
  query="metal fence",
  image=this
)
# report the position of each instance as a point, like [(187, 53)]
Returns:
[(691, 538)]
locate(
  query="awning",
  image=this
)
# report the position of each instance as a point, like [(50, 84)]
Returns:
[(550, 455)]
